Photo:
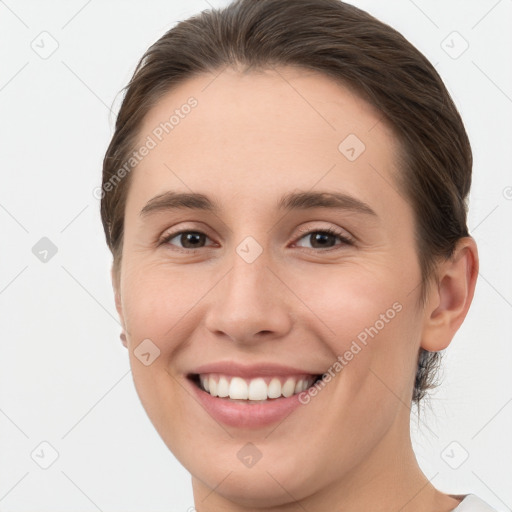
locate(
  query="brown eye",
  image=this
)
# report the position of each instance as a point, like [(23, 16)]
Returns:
[(187, 239), (325, 238)]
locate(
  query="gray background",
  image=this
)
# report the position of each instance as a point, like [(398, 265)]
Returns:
[(64, 375)]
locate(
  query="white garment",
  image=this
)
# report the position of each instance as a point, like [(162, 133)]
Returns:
[(472, 503)]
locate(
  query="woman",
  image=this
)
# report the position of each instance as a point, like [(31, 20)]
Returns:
[(285, 200)]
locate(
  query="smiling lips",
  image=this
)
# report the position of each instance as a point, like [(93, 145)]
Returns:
[(249, 396), (260, 382)]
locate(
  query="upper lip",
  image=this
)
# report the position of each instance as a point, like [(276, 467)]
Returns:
[(250, 371)]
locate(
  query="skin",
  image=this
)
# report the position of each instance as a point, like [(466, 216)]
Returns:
[(253, 137)]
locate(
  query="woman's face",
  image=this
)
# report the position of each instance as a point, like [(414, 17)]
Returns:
[(256, 289)]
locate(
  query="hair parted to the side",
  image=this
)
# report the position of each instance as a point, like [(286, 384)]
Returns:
[(350, 46)]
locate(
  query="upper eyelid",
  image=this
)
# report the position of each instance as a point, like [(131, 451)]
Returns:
[(336, 230)]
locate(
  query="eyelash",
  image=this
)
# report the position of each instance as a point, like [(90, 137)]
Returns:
[(304, 232), (330, 231)]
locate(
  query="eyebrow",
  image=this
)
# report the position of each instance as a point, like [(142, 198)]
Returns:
[(292, 201)]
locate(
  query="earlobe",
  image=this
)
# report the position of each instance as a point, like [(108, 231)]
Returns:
[(450, 299)]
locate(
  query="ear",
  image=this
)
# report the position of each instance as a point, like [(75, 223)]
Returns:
[(449, 299), (117, 297)]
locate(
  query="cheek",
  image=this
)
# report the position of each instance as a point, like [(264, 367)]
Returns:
[(156, 301), (372, 326), (356, 303)]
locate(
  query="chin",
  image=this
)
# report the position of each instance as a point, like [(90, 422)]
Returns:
[(259, 488)]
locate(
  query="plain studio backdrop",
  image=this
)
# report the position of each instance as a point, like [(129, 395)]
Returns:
[(73, 434)]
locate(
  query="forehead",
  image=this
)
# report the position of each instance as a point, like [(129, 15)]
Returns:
[(239, 133)]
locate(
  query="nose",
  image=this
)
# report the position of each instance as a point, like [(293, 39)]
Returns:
[(250, 304)]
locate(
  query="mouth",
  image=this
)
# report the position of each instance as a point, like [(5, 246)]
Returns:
[(253, 396), (259, 390)]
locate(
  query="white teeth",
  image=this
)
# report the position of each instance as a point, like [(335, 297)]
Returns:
[(213, 387), (289, 387), (258, 389), (238, 389), (205, 382), (274, 388), (223, 387)]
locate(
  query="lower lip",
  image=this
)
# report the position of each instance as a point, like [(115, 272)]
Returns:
[(246, 415)]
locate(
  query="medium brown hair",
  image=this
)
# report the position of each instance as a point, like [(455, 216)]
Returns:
[(350, 46)]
